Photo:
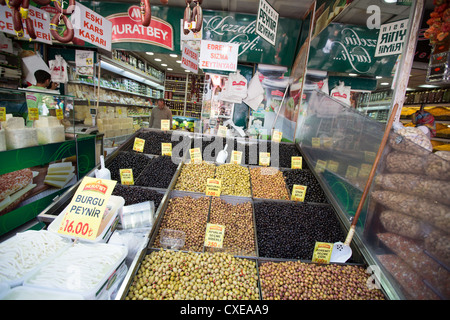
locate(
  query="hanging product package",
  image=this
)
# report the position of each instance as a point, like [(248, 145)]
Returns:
[(255, 93), (58, 69), (341, 93), (236, 88)]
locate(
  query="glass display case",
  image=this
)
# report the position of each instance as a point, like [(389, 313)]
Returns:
[(39, 160), (403, 227)]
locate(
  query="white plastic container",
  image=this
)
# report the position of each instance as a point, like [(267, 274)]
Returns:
[(30, 293), (107, 227), (98, 290), (37, 260)]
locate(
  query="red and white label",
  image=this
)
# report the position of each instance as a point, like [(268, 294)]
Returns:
[(41, 23), (127, 27), (189, 58), (219, 55), (91, 27)]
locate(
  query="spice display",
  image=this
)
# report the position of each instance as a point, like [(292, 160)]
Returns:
[(403, 224), (412, 284), (412, 253), (430, 211), (209, 146), (400, 162), (235, 179), (295, 280), (189, 215), (136, 194), (193, 176), (158, 173), (239, 238), (127, 160), (289, 230), (154, 139), (425, 187), (438, 165), (268, 183), (314, 192), (177, 275), (286, 152), (437, 243)]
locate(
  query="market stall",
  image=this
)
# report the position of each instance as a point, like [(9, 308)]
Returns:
[(260, 173)]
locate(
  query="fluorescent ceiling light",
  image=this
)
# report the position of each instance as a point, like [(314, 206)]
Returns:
[(157, 59), (352, 74), (173, 55), (164, 65), (150, 53), (169, 69), (112, 68), (384, 83), (390, 1), (379, 77), (428, 86), (187, 70), (178, 61)]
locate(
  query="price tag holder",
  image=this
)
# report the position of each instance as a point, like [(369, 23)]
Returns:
[(365, 170), (321, 165), (165, 125), (264, 158), (213, 187), (138, 145), (369, 156), (59, 114), (298, 192), (332, 166), (33, 114), (322, 252), (214, 235), (222, 131), (315, 142), (166, 149), (196, 155), (126, 176), (236, 157), (352, 172), (276, 136), (2, 114), (296, 162), (85, 212)]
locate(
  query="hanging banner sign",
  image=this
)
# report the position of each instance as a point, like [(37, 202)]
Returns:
[(127, 27), (348, 48), (189, 58), (84, 62), (267, 22), (91, 27), (219, 55), (41, 24), (391, 38)]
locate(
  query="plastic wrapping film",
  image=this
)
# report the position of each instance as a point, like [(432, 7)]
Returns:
[(411, 194)]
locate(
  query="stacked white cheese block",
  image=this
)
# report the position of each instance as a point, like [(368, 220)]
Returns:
[(59, 174)]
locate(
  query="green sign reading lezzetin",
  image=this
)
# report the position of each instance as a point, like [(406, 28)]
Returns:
[(349, 49)]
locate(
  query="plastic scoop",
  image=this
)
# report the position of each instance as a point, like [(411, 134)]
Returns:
[(103, 173), (223, 155), (341, 251)]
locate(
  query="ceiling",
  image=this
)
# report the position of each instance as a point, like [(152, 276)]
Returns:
[(295, 9)]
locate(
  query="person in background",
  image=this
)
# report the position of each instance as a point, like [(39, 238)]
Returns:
[(425, 119), (161, 112), (36, 99)]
